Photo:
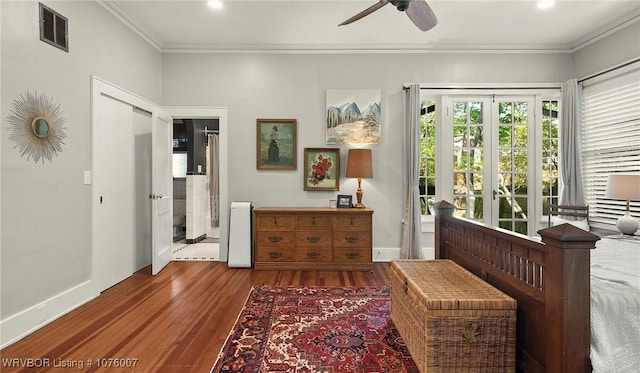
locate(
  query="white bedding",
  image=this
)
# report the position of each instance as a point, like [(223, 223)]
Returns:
[(615, 305)]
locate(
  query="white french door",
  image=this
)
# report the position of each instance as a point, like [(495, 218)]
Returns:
[(489, 150), (513, 186)]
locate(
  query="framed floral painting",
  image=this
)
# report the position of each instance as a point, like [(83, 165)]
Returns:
[(321, 169)]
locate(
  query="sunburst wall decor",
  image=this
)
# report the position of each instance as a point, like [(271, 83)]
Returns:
[(36, 126)]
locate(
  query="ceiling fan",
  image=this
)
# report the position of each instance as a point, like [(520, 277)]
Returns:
[(418, 11)]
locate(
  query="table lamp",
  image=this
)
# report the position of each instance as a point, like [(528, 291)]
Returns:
[(359, 166), (626, 187)]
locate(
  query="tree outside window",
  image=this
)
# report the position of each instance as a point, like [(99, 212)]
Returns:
[(550, 151), (428, 156)]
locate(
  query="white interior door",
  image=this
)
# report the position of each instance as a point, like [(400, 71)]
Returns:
[(113, 202), (161, 191)]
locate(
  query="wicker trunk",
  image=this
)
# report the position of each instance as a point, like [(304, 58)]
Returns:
[(451, 320)]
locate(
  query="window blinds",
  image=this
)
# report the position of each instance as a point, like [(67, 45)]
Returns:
[(611, 138)]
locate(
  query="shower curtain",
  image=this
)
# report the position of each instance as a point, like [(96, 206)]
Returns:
[(214, 179)]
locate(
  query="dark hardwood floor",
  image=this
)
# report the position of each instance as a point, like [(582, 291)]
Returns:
[(176, 321)]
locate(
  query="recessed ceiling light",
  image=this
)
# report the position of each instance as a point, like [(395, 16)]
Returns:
[(215, 4), (545, 4)]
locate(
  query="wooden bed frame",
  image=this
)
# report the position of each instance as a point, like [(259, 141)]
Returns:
[(549, 279)]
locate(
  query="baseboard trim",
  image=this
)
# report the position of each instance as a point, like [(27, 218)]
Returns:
[(23, 323)]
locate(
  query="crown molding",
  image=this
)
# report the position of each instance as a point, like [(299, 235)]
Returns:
[(608, 30), (364, 49), (156, 43), (131, 22)]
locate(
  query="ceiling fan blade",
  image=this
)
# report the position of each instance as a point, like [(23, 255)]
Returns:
[(365, 12), (421, 15)]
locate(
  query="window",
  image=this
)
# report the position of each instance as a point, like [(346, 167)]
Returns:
[(468, 157), (492, 153), (550, 152), (428, 156), (610, 138)]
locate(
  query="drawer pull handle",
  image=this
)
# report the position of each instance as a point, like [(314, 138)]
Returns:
[(313, 255), (405, 286), (352, 239), (351, 221), (313, 221), (275, 239), (352, 255), (275, 254), (313, 239), (275, 221), (471, 332)]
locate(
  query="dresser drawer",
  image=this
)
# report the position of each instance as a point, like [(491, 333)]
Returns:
[(274, 254), (313, 222), (352, 255), (352, 222), (313, 238), (352, 239), (274, 222), (313, 254), (274, 239)]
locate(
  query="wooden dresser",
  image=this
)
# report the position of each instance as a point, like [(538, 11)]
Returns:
[(291, 238)]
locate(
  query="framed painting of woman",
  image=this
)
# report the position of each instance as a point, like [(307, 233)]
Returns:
[(276, 144)]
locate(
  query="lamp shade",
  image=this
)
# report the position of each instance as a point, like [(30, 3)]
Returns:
[(623, 186), (359, 163)]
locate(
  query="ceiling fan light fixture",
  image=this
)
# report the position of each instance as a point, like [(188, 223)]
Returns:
[(215, 4), (546, 4), (419, 12), (401, 5)]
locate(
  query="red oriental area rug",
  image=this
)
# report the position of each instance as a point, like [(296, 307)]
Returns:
[(315, 329)]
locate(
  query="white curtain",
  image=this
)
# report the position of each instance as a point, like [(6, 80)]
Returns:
[(572, 188), (214, 180), (412, 224)]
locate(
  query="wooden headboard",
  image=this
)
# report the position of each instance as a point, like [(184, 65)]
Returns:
[(549, 278)]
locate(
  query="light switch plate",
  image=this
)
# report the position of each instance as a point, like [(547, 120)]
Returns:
[(87, 177)]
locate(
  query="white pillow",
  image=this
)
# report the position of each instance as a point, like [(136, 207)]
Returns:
[(582, 224)]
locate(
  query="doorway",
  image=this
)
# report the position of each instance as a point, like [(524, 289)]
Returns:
[(199, 154)]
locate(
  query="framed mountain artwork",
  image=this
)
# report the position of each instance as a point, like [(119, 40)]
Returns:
[(353, 116)]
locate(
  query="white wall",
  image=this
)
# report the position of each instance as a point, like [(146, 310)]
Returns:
[(46, 209), (293, 86), (615, 49)]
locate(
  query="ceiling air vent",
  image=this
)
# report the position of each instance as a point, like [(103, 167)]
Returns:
[(53, 28)]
